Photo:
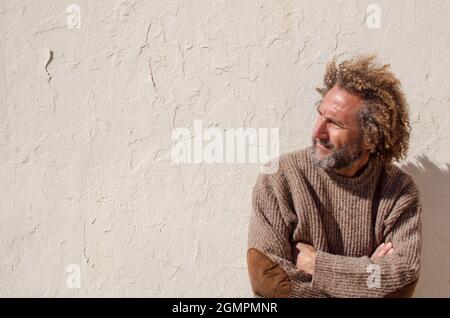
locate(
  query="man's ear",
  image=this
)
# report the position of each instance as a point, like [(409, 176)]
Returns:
[(368, 145)]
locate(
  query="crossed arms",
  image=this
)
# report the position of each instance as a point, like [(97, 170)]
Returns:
[(278, 269)]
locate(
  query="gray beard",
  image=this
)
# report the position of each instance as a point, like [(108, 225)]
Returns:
[(340, 158)]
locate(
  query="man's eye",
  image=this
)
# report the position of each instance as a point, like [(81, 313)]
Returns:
[(335, 124)]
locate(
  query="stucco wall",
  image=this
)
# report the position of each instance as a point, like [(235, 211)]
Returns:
[(88, 107)]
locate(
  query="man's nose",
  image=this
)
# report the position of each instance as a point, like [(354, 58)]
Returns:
[(321, 130)]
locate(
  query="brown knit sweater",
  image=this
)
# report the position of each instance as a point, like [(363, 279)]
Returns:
[(344, 219)]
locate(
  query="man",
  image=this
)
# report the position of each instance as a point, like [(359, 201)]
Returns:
[(338, 219)]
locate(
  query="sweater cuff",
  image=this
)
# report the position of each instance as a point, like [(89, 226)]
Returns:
[(323, 271)]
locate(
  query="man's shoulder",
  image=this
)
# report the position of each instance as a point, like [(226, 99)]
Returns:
[(286, 165), (295, 160)]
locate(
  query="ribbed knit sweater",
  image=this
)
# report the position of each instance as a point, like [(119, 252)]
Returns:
[(344, 219)]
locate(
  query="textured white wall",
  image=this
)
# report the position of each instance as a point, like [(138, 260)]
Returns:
[(87, 113)]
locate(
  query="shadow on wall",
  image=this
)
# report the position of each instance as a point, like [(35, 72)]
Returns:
[(434, 185)]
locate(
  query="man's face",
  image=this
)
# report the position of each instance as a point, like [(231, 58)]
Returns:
[(337, 138)]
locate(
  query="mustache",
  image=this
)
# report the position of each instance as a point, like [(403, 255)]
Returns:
[(325, 143)]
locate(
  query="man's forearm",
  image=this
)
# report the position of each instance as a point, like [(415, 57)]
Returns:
[(342, 276)]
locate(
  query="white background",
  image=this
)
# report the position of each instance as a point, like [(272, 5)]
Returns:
[(85, 170)]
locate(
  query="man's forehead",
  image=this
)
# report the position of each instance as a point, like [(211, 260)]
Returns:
[(340, 102)]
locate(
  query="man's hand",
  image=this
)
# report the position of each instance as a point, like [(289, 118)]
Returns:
[(304, 256), (382, 250)]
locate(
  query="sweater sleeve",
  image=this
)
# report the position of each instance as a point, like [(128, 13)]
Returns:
[(342, 276), (269, 257)]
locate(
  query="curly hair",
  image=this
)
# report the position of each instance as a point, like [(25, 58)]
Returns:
[(384, 116)]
